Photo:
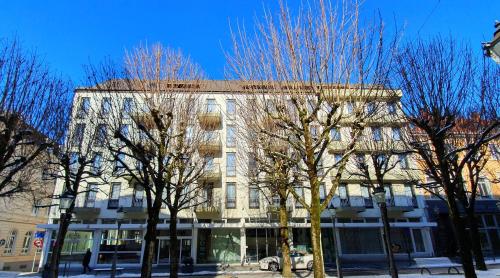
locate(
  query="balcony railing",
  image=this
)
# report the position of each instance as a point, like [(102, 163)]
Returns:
[(211, 172), (400, 204), (210, 116), (137, 203), (210, 144)]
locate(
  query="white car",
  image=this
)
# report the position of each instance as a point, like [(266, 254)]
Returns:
[(300, 260)]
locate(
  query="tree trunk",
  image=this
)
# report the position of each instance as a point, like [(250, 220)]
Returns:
[(286, 270), (318, 265), (387, 240), (150, 244), (462, 239), (475, 240), (64, 221), (174, 246)]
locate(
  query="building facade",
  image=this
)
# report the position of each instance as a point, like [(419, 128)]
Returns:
[(237, 222)]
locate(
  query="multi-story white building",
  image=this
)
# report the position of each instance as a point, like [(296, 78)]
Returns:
[(237, 223)]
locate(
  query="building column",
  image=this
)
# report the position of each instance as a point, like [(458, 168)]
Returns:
[(194, 245), (96, 242), (243, 245), (426, 235), (45, 249)]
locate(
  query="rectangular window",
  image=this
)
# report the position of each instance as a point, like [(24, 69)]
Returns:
[(337, 157), (77, 137), (231, 108), (125, 130), (105, 107), (83, 108), (138, 197), (495, 151), (90, 195), (322, 192), (74, 164), (211, 105), (231, 136), (299, 189), (127, 107), (27, 243), (114, 195), (403, 161), (396, 134), (119, 166), (97, 163), (370, 108), (377, 133), (101, 133), (230, 195), (350, 107), (314, 131), (231, 164), (253, 197), (360, 161), (391, 108), (367, 197), (484, 188), (10, 243), (335, 134)]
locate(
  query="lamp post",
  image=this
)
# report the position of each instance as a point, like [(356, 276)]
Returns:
[(379, 195), (119, 216), (335, 247), (65, 201)]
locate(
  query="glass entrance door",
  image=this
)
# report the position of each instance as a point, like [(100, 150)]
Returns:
[(164, 253)]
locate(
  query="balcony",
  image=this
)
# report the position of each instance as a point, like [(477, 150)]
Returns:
[(113, 203), (136, 209), (210, 145), (210, 117), (211, 173), (85, 209), (278, 146), (399, 204), (349, 206), (208, 210)]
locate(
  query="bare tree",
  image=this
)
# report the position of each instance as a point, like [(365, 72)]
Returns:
[(301, 69), (440, 81), (156, 134), (33, 102)]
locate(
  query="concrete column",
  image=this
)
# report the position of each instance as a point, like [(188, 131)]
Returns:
[(194, 244), (96, 242), (45, 249), (243, 244), (426, 236)]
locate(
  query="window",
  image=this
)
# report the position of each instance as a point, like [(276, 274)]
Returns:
[(90, 195), (97, 163), (314, 131), (105, 106), (125, 131), (495, 151), (367, 197), (342, 191), (377, 133), (35, 209), (138, 196), (127, 107), (231, 136), (253, 197), (114, 195), (231, 164), (230, 195), (101, 135), (77, 137), (322, 192), (350, 107), (370, 108), (403, 161), (299, 189), (211, 105), (396, 134), (119, 166), (252, 164), (74, 164), (388, 192), (337, 157), (26, 243), (335, 134), (231, 108), (360, 161), (11, 242), (84, 108), (189, 133), (391, 108), (484, 188)]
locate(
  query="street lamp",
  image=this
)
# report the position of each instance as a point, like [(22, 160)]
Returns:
[(331, 208), (379, 196), (120, 213), (65, 201)]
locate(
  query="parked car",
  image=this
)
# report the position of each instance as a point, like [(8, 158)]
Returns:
[(300, 260)]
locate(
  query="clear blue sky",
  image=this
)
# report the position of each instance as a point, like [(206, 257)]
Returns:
[(69, 34)]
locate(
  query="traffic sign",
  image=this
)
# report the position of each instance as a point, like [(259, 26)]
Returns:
[(39, 234), (38, 242)]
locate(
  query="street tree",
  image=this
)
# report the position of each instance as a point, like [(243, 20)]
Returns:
[(441, 81), (309, 72)]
